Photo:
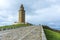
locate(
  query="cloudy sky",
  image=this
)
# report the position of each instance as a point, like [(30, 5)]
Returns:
[(45, 12)]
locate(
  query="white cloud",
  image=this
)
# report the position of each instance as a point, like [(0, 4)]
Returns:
[(51, 14), (4, 4), (51, 0), (8, 11)]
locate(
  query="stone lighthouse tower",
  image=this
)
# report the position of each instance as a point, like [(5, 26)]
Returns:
[(22, 15)]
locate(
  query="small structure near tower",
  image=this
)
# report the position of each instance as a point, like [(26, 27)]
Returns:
[(21, 19)]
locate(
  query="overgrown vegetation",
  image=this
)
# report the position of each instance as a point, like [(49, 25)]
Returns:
[(51, 34), (14, 26)]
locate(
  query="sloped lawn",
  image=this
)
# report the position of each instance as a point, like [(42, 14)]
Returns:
[(52, 35), (13, 26)]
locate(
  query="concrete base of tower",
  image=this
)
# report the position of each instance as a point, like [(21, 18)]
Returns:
[(19, 23), (22, 23)]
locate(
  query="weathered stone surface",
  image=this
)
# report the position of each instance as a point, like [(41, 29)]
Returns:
[(23, 33)]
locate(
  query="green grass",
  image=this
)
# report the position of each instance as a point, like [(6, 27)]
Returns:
[(51, 35), (13, 26)]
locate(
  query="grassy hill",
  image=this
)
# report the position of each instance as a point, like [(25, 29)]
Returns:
[(13, 26), (51, 34)]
